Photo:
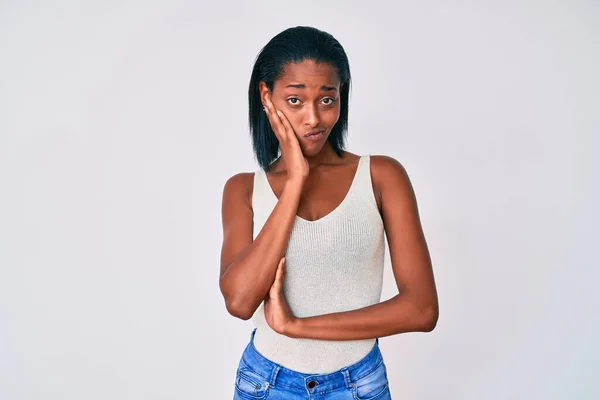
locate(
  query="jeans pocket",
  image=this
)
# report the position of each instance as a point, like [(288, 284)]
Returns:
[(374, 385), (251, 385)]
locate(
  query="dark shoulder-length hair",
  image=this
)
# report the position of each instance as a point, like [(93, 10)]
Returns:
[(294, 45)]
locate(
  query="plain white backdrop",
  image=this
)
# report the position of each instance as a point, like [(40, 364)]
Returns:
[(120, 121)]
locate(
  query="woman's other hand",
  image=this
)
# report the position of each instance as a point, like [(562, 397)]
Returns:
[(277, 311)]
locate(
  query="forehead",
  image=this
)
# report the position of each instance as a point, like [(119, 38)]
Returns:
[(309, 73)]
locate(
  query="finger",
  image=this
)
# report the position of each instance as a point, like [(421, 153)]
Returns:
[(283, 266), (278, 127), (269, 102), (279, 275), (278, 272), (278, 113), (271, 111), (285, 122)]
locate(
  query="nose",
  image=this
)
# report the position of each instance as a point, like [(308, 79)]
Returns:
[(312, 118)]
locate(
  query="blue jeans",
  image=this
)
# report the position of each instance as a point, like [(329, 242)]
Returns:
[(258, 378)]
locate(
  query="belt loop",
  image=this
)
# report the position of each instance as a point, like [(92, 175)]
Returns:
[(347, 378), (274, 373)]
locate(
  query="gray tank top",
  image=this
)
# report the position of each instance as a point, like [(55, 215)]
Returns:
[(333, 264)]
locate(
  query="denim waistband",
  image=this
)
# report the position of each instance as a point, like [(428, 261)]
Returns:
[(277, 375)]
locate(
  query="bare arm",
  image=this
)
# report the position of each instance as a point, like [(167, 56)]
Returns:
[(415, 308), (248, 267)]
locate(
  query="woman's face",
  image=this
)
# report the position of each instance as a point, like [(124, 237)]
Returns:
[(308, 94)]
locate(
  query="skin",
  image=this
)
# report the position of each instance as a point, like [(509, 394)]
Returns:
[(300, 102)]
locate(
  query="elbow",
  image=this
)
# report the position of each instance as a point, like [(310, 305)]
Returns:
[(239, 302), (425, 317), (238, 309), (235, 304), (429, 318)]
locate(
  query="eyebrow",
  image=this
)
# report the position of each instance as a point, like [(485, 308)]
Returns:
[(302, 86)]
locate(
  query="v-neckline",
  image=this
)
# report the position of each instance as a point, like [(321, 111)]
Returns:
[(335, 210)]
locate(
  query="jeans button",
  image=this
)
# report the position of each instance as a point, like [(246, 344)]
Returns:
[(311, 384)]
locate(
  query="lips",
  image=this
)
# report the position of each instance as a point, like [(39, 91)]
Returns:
[(314, 136), (312, 133)]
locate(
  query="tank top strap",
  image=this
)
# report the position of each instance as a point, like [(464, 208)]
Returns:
[(262, 194), (363, 187)]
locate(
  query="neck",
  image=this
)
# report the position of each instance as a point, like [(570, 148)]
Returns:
[(325, 156)]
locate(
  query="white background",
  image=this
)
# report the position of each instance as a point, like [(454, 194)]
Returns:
[(120, 121)]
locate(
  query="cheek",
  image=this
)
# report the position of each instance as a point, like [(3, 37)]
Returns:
[(332, 117)]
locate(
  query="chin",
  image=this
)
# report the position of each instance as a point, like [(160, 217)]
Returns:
[(313, 150)]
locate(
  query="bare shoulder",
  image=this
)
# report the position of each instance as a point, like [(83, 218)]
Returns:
[(390, 177), (237, 217), (240, 180), (386, 164), (239, 186)]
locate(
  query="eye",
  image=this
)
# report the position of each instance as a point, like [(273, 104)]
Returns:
[(293, 101), (328, 101)]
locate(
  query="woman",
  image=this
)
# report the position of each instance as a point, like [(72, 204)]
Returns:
[(303, 236)]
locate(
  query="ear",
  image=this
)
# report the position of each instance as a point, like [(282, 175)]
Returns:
[(263, 89)]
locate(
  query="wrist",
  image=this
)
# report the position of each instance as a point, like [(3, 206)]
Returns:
[(295, 182), (294, 328)]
